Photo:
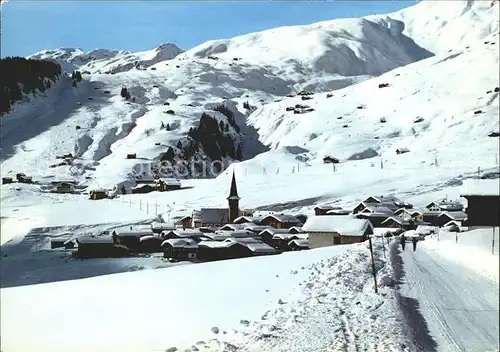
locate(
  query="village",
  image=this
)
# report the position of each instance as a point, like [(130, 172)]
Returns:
[(210, 234)]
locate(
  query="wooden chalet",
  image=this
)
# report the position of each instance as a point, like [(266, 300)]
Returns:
[(280, 221), (280, 240), (150, 244), (64, 187), (130, 238), (7, 180), (267, 235), (181, 233), (325, 230), (247, 219), (144, 188), (99, 247), (322, 209), (397, 222), (239, 226), (447, 216), (168, 184), (180, 249), (375, 214), (216, 250), (444, 205), (222, 235), (295, 229), (210, 217), (299, 244), (97, 194), (482, 210)]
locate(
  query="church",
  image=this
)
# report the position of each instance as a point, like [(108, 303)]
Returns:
[(218, 217)]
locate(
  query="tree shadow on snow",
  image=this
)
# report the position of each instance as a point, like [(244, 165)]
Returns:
[(410, 307)]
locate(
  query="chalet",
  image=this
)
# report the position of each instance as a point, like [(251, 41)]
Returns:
[(295, 229), (181, 233), (298, 245), (431, 217), (7, 180), (412, 213), (240, 226), (168, 184), (222, 235), (159, 227), (186, 222), (453, 226), (426, 230), (259, 228), (215, 250), (402, 151), (280, 240), (280, 221), (268, 234), (448, 216), (374, 207), (96, 194), (178, 249), (216, 217), (25, 179), (144, 188), (65, 187), (322, 209), (19, 176), (325, 230), (131, 156), (59, 241), (330, 160), (150, 244), (99, 247), (444, 205), (375, 218), (482, 210), (401, 223), (130, 238), (388, 200), (301, 217), (246, 219), (338, 212)]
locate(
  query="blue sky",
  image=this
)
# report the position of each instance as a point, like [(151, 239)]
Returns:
[(31, 26)]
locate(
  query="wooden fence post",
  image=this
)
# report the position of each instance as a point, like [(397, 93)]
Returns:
[(374, 272)]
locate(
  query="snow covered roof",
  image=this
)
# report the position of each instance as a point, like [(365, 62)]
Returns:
[(454, 215), (182, 233), (170, 181), (260, 228), (148, 237), (248, 219), (425, 229), (283, 218), (326, 207), (377, 209), (296, 228), (338, 212), (180, 242), (212, 215), (260, 247), (94, 239), (163, 225), (343, 225), (273, 231), (300, 242), (243, 240), (216, 244), (134, 233), (234, 227), (283, 236)]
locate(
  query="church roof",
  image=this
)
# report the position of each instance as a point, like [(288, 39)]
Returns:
[(233, 193)]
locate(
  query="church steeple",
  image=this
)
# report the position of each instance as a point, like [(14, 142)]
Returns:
[(233, 200)]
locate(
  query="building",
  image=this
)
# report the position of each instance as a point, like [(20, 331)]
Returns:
[(444, 205), (447, 216), (325, 230), (482, 210), (7, 180), (180, 249), (298, 245), (99, 247), (216, 250), (233, 200), (144, 188), (218, 217), (65, 187), (280, 221), (150, 244), (322, 209), (96, 194), (159, 227), (168, 184), (267, 235)]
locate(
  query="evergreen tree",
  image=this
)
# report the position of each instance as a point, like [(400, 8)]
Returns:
[(221, 125), (179, 145), (168, 127)]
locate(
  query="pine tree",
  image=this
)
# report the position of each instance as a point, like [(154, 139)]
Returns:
[(179, 145), (221, 125), (168, 127)]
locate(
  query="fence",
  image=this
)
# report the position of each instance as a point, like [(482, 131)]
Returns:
[(480, 239)]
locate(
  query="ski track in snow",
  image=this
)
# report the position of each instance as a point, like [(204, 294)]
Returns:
[(459, 306)]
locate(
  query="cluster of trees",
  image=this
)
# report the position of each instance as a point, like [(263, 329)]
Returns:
[(224, 110), (76, 76), (215, 142), (125, 93), (20, 76)]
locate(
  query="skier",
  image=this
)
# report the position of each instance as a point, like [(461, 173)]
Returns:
[(403, 241), (414, 242)]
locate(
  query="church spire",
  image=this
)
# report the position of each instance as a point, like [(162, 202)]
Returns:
[(233, 193)]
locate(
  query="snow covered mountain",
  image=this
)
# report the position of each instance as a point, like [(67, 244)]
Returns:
[(437, 71)]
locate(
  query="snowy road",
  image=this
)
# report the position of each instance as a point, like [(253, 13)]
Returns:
[(459, 308)]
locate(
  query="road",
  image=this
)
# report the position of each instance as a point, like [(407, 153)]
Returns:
[(450, 307)]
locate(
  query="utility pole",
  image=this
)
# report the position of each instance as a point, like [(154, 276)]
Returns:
[(374, 272)]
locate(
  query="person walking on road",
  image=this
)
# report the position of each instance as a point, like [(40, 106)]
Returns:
[(403, 241), (414, 242)]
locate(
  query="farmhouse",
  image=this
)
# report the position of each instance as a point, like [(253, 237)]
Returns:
[(280, 221), (482, 210), (99, 247), (64, 187), (268, 234), (298, 245), (448, 216), (322, 209), (167, 184), (176, 249), (96, 194), (327, 230)]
